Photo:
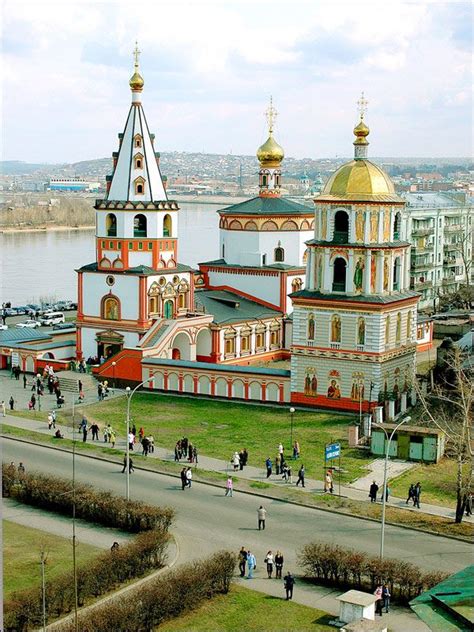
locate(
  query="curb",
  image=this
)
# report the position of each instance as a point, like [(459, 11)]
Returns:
[(251, 493)]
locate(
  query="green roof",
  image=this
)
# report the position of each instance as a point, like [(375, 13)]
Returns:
[(358, 298), (222, 263), (267, 206), (448, 606), (229, 307), (21, 334), (233, 368)]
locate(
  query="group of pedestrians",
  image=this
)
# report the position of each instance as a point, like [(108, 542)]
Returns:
[(186, 475), (248, 564), (373, 490), (184, 449), (414, 493), (239, 459), (382, 594)]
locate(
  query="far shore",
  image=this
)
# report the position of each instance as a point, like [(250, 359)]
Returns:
[(42, 229)]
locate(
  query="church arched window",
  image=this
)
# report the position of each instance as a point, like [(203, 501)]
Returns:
[(409, 321), (167, 226), (110, 308), (139, 225), (396, 273), (138, 159), (137, 141), (341, 227), (339, 275), (279, 254), (396, 226), (398, 330), (387, 330), (111, 225)]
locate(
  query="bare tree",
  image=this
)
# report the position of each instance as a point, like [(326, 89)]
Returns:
[(464, 247), (449, 406)]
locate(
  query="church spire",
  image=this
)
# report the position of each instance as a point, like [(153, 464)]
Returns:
[(361, 131), (136, 81)]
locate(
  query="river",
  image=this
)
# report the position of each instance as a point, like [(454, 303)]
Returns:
[(40, 265)]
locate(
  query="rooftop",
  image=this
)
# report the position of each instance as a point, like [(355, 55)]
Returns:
[(216, 367), (222, 263), (229, 307), (267, 206), (359, 298), (93, 267)]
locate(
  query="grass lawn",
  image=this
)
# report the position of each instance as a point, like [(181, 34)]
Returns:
[(244, 609), (219, 428), (438, 482), (21, 556)]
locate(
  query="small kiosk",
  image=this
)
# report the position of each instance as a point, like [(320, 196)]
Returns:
[(411, 443)]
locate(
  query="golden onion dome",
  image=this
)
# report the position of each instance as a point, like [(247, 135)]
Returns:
[(136, 82), (270, 154), (358, 181), (361, 132)]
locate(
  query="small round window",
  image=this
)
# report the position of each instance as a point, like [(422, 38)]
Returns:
[(110, 280)]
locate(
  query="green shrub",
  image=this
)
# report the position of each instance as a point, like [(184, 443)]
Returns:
[(162, 598), (335, 565), (147, 551), (55, 494)]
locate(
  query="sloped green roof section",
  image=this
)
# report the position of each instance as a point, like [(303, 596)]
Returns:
[(448, 606), (227, 307), (267, 206)]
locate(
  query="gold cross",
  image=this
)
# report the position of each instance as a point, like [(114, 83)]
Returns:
[(136, 54), (362, 104), (271, 115)]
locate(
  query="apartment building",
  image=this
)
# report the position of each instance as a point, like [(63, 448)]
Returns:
[(441, 233)]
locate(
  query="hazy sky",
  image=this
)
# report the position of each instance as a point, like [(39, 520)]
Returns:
[(210, 67)]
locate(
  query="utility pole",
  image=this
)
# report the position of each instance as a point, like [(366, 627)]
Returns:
[(43, 586), (74, 564)]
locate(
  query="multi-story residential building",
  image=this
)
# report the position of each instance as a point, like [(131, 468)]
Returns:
[(441, 233)]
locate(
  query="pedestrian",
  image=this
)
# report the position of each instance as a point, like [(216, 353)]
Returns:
[(12, 403), (289, 582), (328, 488), (25, 380), (277, 463), (190, 452), (379, 601), (84, 433), (3, 408), (32, 404), (145, 446), (289, 474), (262, 514), (141, 434), (53, 415), (177, 451), (21, 469), (278, 564), (79, 385), (386, 597), (242, 561), (235, 460), (195, 455), (131, 440), (229, 487), (183, 478), (387, 494), (134, 431), (95, 431), (246, 456), (269, 465), (241, 460), (416, 497), (411, 493), (374, 488), (112, 437), (296, 450), (189, 477), (280, 448), (469, 504), (130, 464), (269, 561), (251, 564), (99, 391), (301, 473)]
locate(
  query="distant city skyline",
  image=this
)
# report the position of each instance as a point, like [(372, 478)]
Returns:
[(210, 68)]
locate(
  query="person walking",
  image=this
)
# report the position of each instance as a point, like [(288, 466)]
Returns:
[(269, 561), (251, 564), (131, 440), (3, 408), (386, 597), (189, 477), (235, 460), (242, 561), (269, 465), (411, 493), (328, 487), (145, 446), (95, 431), (229, 487), (301, 473), (84, 433), (262, 514), (278, 564), (289, 582), (387, 494), (32, 404), (195, 454), (379, 600), (469, 504), (112, 437), (21, 469), (296, 450), (416, 497), (183, 478), (25, 380), (11, 403), (277, 463), (373, 489), (130, 464), (241, 460), (245, 455)]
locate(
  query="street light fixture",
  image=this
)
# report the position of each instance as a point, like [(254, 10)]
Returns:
[(384, 497), (292, 412), (114, 364)]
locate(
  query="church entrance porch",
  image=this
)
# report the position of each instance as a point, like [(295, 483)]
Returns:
[(108, 344)]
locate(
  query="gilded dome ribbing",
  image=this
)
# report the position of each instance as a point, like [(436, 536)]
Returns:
[(270, 154)]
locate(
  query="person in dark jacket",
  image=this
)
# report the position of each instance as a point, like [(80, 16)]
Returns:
[(242, 561), (374, 488), (278, 564), (289, 582), (417, 494), (300, 477), (269, 465), (411, 493)]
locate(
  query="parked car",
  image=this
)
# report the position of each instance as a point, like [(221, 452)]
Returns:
[(3, 327), (32, 324), (22, 309), (33, 309), (10, 311), (50, 318), (64, 325)]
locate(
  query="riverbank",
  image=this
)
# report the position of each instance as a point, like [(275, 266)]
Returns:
[(42, 229)]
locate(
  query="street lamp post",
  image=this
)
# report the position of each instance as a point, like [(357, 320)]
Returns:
[(384, 497), (114, 364), (292, 412)]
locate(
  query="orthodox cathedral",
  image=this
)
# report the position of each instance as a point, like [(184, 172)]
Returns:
[(326, 287)]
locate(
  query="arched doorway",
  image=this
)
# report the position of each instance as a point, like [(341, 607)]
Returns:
[(168, 310), (203, 345), (339, 277), (341, 227), (182, 346)]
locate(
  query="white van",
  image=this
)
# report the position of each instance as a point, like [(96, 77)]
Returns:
[(52, 318)]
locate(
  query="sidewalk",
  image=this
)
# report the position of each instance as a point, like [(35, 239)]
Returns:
[(249, 473)]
